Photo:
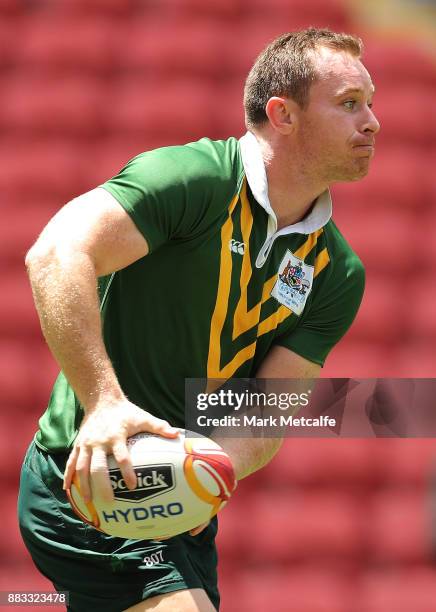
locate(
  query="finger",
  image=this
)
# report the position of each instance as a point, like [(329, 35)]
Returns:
[(162, 428), (122, 457), (82, 471), (199, 529), (70, 468), (101, 484)]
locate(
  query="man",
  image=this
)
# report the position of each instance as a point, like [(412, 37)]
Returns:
[(233, 216)]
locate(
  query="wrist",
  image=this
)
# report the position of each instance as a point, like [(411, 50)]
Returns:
[(104, 400)]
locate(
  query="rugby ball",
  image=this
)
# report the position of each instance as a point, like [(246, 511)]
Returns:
[(181, 483)]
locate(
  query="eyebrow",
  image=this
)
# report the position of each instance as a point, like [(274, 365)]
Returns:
[(353, 90)]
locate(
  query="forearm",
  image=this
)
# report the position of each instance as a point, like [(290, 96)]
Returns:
[(249, 454), (64, 286)]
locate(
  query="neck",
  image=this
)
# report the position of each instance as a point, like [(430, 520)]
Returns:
[(292, 190)]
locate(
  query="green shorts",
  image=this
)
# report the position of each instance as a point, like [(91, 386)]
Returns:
[(100, 572)]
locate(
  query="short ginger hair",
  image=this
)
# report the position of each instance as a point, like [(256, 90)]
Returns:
[(286, 68)]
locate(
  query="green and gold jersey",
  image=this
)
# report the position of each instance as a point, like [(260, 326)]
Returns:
[(220, 285)]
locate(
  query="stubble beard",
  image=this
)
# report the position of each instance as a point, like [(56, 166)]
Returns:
[(348, 171)]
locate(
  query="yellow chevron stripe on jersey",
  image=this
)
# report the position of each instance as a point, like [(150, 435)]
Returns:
[(244, 319), (273, 320), (220, 311), (321, 261)]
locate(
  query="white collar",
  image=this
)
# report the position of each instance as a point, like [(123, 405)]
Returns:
[(255, 172)]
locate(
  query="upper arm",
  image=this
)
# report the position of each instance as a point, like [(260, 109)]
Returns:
[(281, 362), (97, 225), (159, 196)]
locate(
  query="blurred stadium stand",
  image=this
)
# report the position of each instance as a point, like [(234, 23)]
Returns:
[(329, 525)]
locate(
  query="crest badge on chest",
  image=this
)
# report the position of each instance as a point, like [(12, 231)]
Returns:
[(294, 283)]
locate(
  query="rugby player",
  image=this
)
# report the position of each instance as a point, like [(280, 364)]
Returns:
[(190, 263)]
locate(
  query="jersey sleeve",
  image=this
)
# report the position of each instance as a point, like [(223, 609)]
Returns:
[(170, 192), (331, 313)]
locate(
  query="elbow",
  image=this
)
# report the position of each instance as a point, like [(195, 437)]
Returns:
[(42, 256), (36, 257), (271, 448), (30, 258)]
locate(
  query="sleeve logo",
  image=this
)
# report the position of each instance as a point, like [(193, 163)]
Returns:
[(236, 247)]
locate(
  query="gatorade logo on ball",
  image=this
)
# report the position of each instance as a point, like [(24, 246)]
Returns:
[(151, 480)]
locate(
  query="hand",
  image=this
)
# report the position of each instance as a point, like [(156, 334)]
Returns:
[(199, 529), (103, 432), (192, 532)]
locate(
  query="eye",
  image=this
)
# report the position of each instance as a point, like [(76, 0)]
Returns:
[(350, 104)]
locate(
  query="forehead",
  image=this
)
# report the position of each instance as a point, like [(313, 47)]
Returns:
[(338, 71)]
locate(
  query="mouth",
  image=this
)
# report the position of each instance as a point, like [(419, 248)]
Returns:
[(367, 147), (366, 150)]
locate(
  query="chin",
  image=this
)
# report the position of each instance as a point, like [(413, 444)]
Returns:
[(351, 177), (350, 172), (358, 173)]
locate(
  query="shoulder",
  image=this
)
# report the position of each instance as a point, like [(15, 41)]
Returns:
[(202, 160), (341, 254)]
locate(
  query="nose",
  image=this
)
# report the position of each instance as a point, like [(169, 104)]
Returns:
[(371, 124)]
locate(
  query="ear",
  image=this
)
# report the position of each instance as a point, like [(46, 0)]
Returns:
[(280, 113)]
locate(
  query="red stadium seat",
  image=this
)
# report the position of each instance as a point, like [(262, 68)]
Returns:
[(398, 589), (318, 462), (188, 48), (231, 590), (404, 117), (53, 42), (7, 39), (298, 14), (17, 312), (311, 588), (361, 359), (20, 574), (382, 240), (51, 106), (398, 180), (13, 446), (256, 34), (405, 463), (16, 383), (110, 155), (49, 170), (10, 7), (102, 8), (218, 9), (234, 539), (178, 111), (425, 231), (399, 63), (423, 290), (11, 546), (23, 223), (397, 529), (228, 110), (417, 358), (380, 316), (27, 373), (303, 525)]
